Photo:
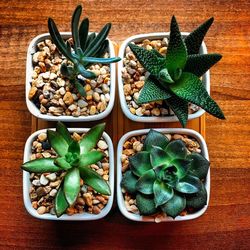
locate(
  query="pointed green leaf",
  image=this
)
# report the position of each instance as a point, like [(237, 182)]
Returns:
[(194, 39), (168, 175), (159, 157), (83, 33), (174, 206), (129, 182), (85, 73), (197, 200), (57, 142), (91, 138), (200, 64), (165, 76), (140, 163), (61, 203), (199, 165), (100, 60), (91, 37), (42, 165), (157, 53), (155, 138), (67, 71), (145, 204), (62, 163), (74, 26), (90, 158), (63, 131), (176, 149), (71, 186), (151, 62), (80, 88), (189, 185), (93, 179), (176, 56), (104, 47), (146, 181), (74, 147), (162, 193), (190, 88), (182, 167)]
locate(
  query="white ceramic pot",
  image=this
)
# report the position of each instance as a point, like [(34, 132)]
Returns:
[(124, 106), (76, 217), (120, 199), (36, 112)]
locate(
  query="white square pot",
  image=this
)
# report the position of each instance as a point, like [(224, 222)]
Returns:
[(120, 198), (124, 106), (76, 217), (36, 112)]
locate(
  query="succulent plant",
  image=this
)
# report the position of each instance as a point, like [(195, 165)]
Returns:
[(74, 158), (164, 176), (87, 49), (175, 78)]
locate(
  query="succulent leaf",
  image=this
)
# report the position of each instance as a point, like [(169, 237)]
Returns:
[(145, 204), (83, 33), (100, 60), (85, 73), (176, 149), (63, 131), (91, 37), (174, 206), (74, 26), (91, 138), (61, 203), (71, 185), (42, 165), (74, 147), (80, 88), (157, 53), (189, 185), (146, 181), (67, 71), (194, 40), (165, 76), (140, 163), (197, 200), (90, 158), (103, 49), (57, 142), (155, 138), (182, 167), (62, 163), (159, 157), (93, 179), (129, 182)]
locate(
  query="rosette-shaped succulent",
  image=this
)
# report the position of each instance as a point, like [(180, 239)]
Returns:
[(74, 158), (87, 49), (166, 177), (175, 77)]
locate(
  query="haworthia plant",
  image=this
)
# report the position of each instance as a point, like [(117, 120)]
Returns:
[(74, 158), (175, 78), (87, 49), (166, 177)]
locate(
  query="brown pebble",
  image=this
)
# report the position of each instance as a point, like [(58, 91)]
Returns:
[(41, 210), (68, 98)]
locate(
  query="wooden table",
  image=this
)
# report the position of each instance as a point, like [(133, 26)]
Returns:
[(226, 224)]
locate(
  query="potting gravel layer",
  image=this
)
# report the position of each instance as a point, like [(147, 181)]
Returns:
[(53, 94), (134, 145), (44, 186), (134, 75)]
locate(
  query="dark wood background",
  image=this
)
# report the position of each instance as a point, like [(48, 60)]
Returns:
[(226, 224)]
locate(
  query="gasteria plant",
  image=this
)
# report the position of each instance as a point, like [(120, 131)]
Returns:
[(87, 49), (164, 176), (74, 158), (175, 77)]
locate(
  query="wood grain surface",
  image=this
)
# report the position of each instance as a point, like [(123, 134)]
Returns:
[(226, 224)]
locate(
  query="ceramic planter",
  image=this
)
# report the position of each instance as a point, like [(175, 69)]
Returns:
[(124, 106), (76, 217), (120, 198), (36, 112)]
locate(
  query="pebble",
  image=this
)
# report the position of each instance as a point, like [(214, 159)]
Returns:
[(62, 91), (88, 199), (81, 103), (53, 192), (32, 92), (55, 183), (92, 110), (102, 145), (36, 183), (96, 97), (43, 180), (68, 98), (139, 112), (51, 177), (72, 107), (42, 137), (41, 210)]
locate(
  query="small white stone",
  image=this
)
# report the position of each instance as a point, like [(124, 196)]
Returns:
[(139, 112), (96, 97), (41, 210), (52, 76), (62, 91), (132, 63), (36, 183), (107, 97), (46, 75), (51, 177), (102, 145), (81, 103), (103, 71), (43, 180), (42, 137), (53, 192), (72, 107)]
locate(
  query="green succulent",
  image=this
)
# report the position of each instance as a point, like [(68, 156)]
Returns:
[(175, 78), (74, 158), (87, 49), (165, 177)]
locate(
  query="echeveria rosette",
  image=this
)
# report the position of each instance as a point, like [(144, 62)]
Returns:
[(88, 49), (74, 158), (175, 78), (164, 176)]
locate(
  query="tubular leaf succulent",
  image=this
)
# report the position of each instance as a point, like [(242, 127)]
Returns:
[(175, 77), (87, 49), (164, 176), (74, 158)]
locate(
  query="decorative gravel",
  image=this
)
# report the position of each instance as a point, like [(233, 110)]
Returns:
[(55, 95), (44, 186), (134, 75)]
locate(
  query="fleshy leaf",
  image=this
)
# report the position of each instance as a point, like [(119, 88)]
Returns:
[(149, 60), (90, 158), (197, 200), (74, 147), (189, 185), (71, 186), (85, 73), (165, 76), (140, 163), (200, 64), (90, 39), (80, 88), (42, 165), (194, 39), (101, 60), (91, 138), (63, 131), (190, 88), (176, 149), (57, 142), (152, 91), (83, 32), (62, 163), (61, 203), (182, 167), (74, 26), (93, 179), (146, 181), (129, 182), (199, 165), (158, 157), (145, 204), (155, 138), (157, 53), (67, 71), (174, 206), (162, 193)]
